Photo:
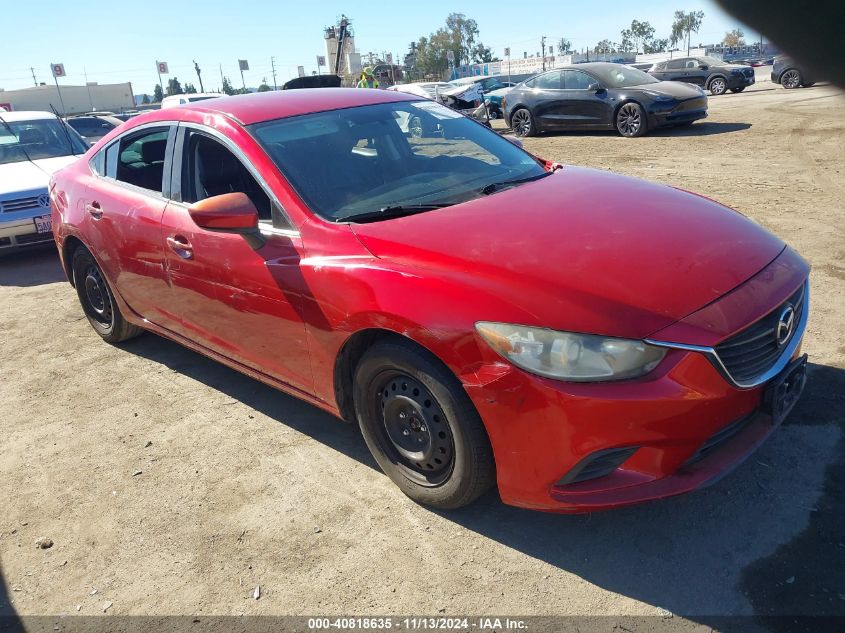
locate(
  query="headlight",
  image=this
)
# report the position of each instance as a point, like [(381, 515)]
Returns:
[(658, 96), (570, 356)]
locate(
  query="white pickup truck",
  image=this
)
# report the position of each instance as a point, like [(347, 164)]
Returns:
[(33, 145)]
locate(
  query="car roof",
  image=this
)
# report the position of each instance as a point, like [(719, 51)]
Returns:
[(265, 106), (26, 115)]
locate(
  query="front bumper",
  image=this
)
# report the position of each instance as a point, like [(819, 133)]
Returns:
[(740, 81), (543, 430), (21, 233), (674, 113)]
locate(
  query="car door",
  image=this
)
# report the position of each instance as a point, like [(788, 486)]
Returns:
[(234, 296), (583, 102), (547, 99), (124, 203), (697, 72), (675, 70)]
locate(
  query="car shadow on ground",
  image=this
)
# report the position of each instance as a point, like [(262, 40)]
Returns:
[(686, 554), (34, 267), (705, 128)]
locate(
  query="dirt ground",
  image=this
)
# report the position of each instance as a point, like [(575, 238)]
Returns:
[(172, 485)]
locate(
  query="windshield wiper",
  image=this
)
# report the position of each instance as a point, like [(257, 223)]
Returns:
[(486, 190), (392, 211)]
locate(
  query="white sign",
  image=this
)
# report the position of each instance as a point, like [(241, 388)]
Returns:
[(243, 65), (162, 68), (450, 55), (321, 60), (300, 70), (507, 51), (389, 58), (58, 70)]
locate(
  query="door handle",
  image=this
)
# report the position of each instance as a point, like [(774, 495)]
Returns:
[(94, 210), (181, 246)]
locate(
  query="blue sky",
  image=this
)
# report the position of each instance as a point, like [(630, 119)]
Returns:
[(115, 42)]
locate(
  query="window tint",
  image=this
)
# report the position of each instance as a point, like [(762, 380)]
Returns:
[(660, 66), (675, 64), (548, 81), (140, 159), (90, 126), (577, 80), (211, 169), (692, 63)]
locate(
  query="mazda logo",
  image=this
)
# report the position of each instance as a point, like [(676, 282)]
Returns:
[(786, 322), (44, 200)]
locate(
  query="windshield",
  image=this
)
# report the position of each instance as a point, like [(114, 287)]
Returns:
[(622, 76), (40, 138), (357, 161)]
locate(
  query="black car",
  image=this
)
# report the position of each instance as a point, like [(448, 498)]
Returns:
[(93, 128), (601, 96), (789, 74), (708, 72)]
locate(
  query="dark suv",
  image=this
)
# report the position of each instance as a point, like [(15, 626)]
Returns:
[(789, 74), (708, 72)]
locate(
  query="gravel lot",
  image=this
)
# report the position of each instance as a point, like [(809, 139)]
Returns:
[(173, 485)]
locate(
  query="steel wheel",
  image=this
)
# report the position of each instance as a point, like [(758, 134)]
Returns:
[(718, 86), (790, 79), (629, 120), (414, 429), (521, 123), (415, 127), (98, 304)]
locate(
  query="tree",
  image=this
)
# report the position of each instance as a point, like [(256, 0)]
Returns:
[(174, 87), (145, 99), (684, 25), (656, 45), (264, 87), (482, 54), (190, 89), (636, 37), (227, 87), (605, 47), (158, 95), (463, 31), (734, 38), (563, 46)]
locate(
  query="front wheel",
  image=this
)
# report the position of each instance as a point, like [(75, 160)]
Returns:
[(421, 427), (737, 90), (718, 86), (522, 123), (790, 79), (630, 120), (98, 301)]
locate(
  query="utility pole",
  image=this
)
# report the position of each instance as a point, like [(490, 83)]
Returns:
[(34, 80), (543, 51), (87, 85), (199, 76), (222, 81), (273, 66)]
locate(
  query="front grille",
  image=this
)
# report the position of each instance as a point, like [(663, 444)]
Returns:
[(719, 437), (20, 204), (754, 350), (698, 103), (33, 238)]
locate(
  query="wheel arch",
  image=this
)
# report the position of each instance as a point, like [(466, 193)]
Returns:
[(715, 76), (69, 247)]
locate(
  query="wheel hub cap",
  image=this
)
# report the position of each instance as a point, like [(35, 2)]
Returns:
[(94, 292)]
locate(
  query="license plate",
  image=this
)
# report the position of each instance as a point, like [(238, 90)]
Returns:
[(44, 224), (783, 392)]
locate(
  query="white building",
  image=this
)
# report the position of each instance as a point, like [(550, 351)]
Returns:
[(74, 99)]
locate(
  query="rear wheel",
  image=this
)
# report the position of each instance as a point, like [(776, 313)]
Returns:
[(522, 123), (421, 427), (630, 120), (717, 86), (790, 79), (98, 301)]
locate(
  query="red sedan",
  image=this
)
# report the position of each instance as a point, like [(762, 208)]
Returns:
[(580, 339)]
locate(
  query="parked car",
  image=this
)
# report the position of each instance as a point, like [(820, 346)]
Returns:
[(93, 128), (601, 96), (494, 98), (177, 100), (32, 146), (582, 339), (427, 89), (708, 72), (791, 75)]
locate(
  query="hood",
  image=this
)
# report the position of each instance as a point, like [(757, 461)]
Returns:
[(27, 176), (677, 89), (583, 250)]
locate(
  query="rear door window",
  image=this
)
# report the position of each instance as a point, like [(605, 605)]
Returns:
[(577, 80), (549, 81), (675, 64), (138, 159)]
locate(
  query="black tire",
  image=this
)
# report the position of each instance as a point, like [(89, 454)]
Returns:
[(631, 120), (97, 300), (791, 79), (737, 90), (421, 427), (717, 85), (522, 122), (808, 84)]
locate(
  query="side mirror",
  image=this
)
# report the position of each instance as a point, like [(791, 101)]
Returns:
[(516, 141), (595, 87), (704, 67), (229, 212)]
